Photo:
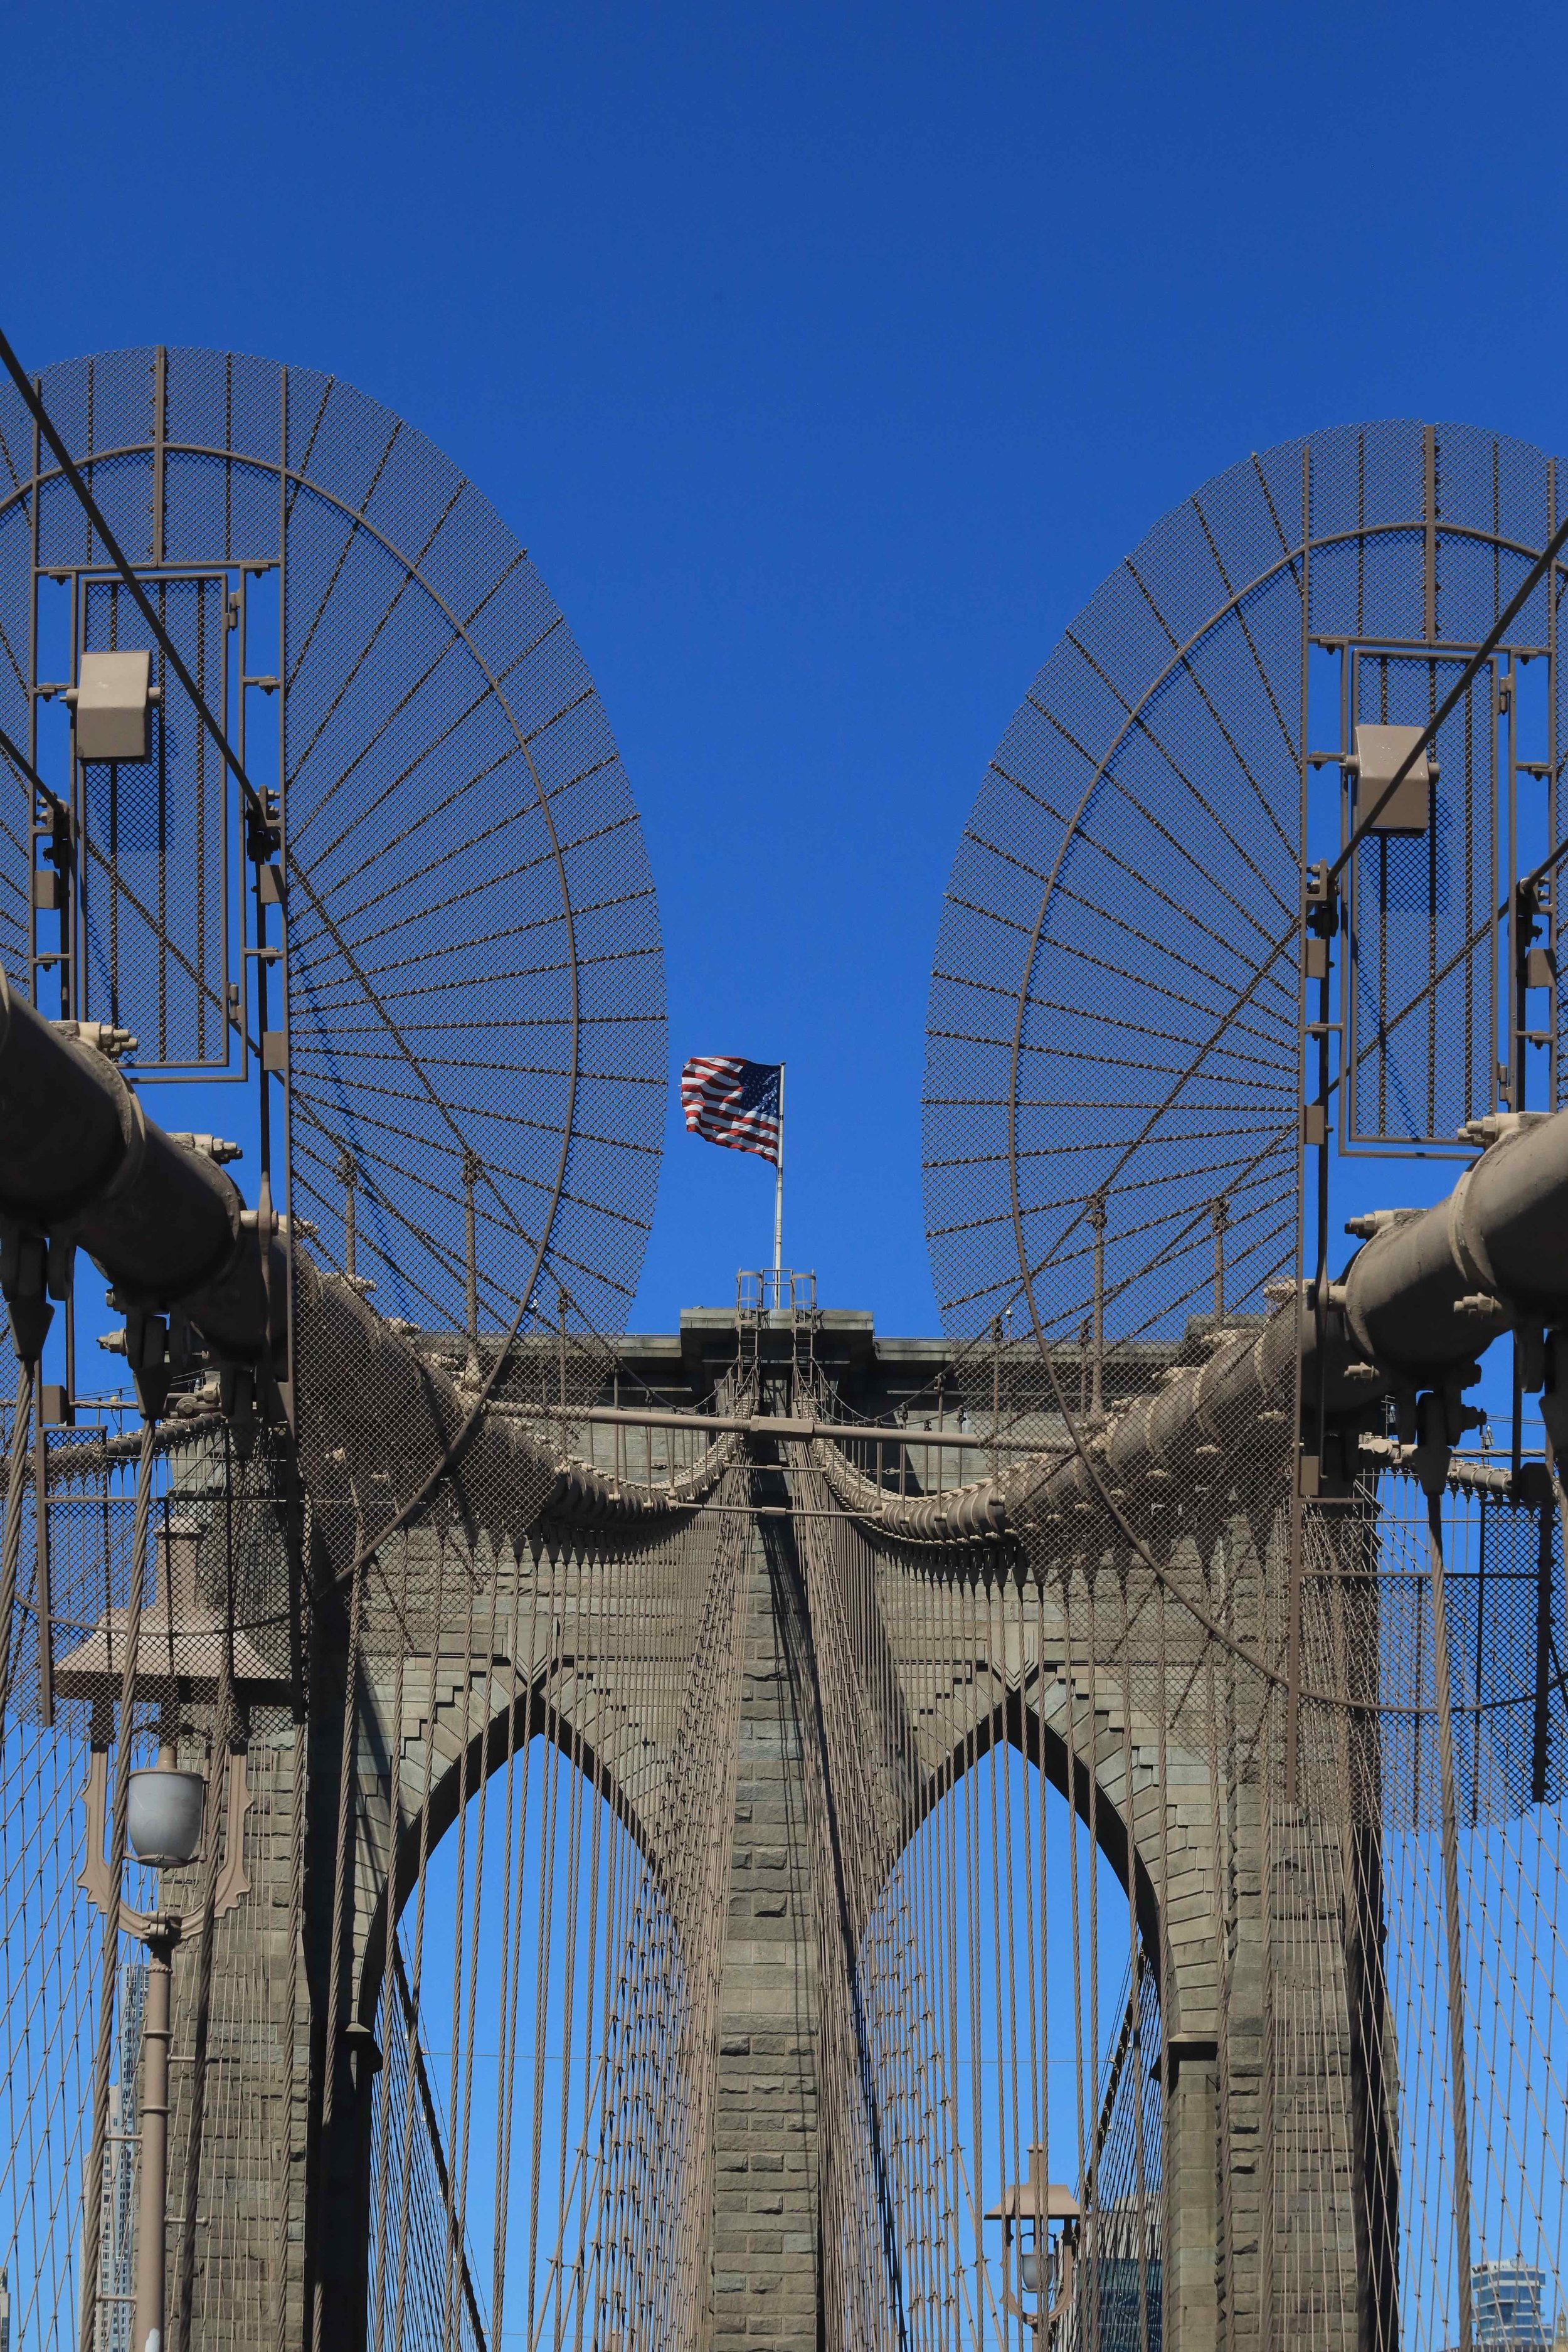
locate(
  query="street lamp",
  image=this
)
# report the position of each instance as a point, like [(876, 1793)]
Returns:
[(163, 1816), (163, 1820), (1044, 2271), (166, 1810), (164, 1824)]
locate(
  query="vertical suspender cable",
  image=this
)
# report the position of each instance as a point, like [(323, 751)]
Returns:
[(1455, 1970), (11, 1549)]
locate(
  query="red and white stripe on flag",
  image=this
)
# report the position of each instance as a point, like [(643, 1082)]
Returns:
[(734, 1102)]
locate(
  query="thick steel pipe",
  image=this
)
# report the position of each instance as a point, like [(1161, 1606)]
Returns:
[(79, 1159), (152, 2121), (168, 1225), (1498, 1243), (1402, 1298), (67, 1117)]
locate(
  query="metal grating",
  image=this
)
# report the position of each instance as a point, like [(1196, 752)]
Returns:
[(1115, 998), (473, 978)]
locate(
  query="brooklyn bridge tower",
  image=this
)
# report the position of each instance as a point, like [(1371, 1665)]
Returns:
[(772, 1833)]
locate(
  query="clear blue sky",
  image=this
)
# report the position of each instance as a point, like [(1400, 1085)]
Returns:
[(824, 359)]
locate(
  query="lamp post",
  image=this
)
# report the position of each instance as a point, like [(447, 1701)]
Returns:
[(165, 1811), (184, 1653), (1045, 2268), (163, 1825)]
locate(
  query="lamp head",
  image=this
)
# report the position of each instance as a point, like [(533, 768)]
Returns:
[(163, 1817)]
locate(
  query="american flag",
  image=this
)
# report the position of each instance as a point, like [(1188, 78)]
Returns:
[(732, 1101)]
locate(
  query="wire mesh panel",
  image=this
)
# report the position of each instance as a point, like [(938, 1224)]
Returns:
[(478, 1015), (1115, 1058), (1420, 537), (468, 996), (156, 841), (1113, 1046), (1422, 1041)]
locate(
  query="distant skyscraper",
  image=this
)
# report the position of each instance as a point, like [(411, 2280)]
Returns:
[(116, 2257), (1507, 2302)]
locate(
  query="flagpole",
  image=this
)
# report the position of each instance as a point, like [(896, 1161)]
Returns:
[(778, 1202)]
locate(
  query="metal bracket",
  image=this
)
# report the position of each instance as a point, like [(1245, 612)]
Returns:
[(233, 1881)]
